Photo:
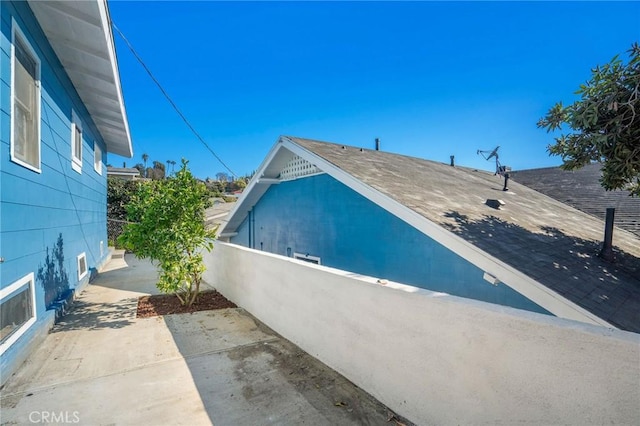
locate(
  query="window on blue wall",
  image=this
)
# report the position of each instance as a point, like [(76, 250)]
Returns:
[(17, 304), (76, 143), (25, 103)]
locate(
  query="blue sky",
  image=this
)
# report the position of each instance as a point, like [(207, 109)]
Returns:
[(429, 79)]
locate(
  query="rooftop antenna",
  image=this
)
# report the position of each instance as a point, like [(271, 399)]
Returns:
[(500, 169)]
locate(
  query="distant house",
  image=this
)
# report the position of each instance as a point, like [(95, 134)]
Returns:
[(581, 189), (437, 227), (125, 173), (62, 112)]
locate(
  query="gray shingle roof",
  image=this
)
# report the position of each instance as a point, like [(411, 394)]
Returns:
[(551, 242), (123, 170), (581, 189)]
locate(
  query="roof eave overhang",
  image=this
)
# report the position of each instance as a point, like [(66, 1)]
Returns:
[(80, 34)]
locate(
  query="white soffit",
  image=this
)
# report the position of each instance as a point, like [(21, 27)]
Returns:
[(80, 34)]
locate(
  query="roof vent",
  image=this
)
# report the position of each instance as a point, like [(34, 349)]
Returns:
[(377, 144), (344, 147), (491, 279), (494, 204)]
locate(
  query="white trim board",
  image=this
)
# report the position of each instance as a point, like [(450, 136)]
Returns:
[(17, 31), (28, 280), (82, 274)]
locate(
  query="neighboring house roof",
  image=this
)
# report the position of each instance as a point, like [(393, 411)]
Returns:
[(581, 189), (123, 171), (80, 34), (542, 248)]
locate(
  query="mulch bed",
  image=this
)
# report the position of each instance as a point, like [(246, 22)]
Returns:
[(168, 304)]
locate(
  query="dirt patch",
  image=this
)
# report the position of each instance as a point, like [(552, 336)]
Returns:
[(168, 304)]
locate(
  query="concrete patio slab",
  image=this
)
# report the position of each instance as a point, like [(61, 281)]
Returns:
[(103, 366)]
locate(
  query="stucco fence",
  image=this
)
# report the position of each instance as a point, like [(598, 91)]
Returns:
[(434, 358)]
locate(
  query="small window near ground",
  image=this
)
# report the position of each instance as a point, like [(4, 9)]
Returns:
[(97, 158), (307, 258), (76, 143), (82, 266), (25, 103), (17, 310)]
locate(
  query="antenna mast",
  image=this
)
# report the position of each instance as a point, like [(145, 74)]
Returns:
[(500, 169)]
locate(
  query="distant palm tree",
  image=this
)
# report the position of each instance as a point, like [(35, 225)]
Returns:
[(173, 163), (145, 157)]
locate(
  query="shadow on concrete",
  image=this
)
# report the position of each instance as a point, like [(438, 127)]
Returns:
[(567, 264), (114, 299), (245, 373), (96, 316), (129, 274)]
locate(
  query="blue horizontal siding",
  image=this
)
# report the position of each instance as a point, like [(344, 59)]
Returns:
[(28, 256), (322, 217), (38, 208), (5, 80), (5, 30), (5, 134), (54, 193)]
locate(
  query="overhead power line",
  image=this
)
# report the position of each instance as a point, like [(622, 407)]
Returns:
[(173, 104)]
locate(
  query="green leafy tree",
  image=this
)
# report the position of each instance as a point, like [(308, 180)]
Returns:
[(237, 185), (119, 194), (605, 122), (169, 229), (140, 168)]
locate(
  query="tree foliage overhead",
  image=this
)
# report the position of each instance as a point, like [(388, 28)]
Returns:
[(169, 229), (605, 124)]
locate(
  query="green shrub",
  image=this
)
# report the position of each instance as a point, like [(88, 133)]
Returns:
[(169, 229)]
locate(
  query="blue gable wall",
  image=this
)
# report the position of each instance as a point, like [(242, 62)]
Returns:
[(38, 211), (322, 217)]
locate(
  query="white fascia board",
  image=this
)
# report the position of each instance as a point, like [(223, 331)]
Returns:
[(242, 206), (268, 181), (108, 34), (122, 174), (523, 284)]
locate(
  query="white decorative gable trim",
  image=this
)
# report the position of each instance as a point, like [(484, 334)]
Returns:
[(298, 167)]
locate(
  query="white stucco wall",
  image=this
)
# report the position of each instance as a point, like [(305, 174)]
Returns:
[(438, 359)]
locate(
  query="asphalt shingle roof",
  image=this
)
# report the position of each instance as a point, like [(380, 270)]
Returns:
[(551, 242), (581, 189)]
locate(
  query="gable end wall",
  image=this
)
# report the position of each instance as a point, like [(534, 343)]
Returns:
[(322, 217)]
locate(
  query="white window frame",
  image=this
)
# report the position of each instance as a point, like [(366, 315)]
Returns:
[(307, 258), (97, 158), (81, 274), (27, 280), (16, 32), (76, 157)]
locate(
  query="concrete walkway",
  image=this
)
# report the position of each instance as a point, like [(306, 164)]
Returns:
[(103, 366)]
